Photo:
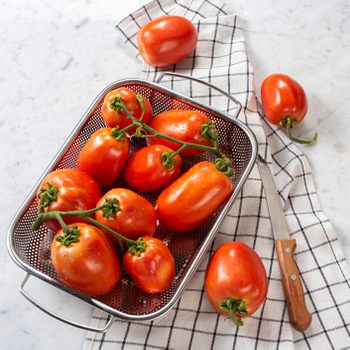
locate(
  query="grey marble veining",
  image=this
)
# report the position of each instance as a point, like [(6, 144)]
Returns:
[(56, 56)]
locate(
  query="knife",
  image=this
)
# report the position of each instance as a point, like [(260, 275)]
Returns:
[(299, 315)]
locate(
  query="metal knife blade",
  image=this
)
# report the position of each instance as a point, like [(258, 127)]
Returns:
[(278, 221)]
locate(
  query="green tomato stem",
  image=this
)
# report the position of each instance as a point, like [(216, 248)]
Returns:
[(82, 214), (209, 132), (175, 153), (236, 309), (209, 149), (128, 241), (47, 195), (223, 164), (141, 102), (167, 161), (145, 126), (62, 223), (140, 247), (120, 134), (69, 236), (288, 123), (168, 158)]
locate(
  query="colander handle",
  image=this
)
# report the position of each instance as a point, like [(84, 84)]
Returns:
[(54, 315), (234, 100)]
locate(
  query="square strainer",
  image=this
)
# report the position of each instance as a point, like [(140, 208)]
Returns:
[(31, 250)]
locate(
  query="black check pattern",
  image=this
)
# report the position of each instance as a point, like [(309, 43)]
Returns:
[(220, 58)]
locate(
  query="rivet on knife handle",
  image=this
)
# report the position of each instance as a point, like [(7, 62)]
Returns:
[(299, 315)]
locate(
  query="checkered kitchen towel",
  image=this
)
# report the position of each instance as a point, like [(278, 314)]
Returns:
[(220, 58)]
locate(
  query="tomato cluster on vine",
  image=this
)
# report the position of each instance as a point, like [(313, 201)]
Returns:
[(88, 224)]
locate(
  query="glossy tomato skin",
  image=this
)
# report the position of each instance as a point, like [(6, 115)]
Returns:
[(90, 265), (236, 271), (121, 119), (76, 191), (183, 125), (193, 198), (283, 97), (103, 156), (145, 171), (135, 218), (166, 40), (154, 269)]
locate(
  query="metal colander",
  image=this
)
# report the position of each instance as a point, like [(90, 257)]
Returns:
[(31, 250)]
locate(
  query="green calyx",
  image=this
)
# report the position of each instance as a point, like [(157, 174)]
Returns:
[(47, 195), (141, 101), (70, 235), (224, 165), (117, 104), (288, 123), (168, 160), (209, 131), (118, 134), (110, 208), (236, 309), (138, 247)]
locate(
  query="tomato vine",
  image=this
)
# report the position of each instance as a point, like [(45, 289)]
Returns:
[(109, 209), (143, 130)]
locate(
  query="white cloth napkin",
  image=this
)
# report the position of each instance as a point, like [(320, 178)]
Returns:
[(221, 59)]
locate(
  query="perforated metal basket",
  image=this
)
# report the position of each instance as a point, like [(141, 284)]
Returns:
[(31, 251)]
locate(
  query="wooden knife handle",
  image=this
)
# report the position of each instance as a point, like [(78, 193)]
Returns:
[(299, 315)]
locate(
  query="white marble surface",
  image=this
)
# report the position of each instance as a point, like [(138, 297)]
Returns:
[(56, 56)]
